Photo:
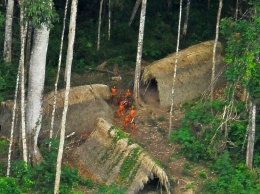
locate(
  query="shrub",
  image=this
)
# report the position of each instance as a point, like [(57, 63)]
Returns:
[(9, 185)]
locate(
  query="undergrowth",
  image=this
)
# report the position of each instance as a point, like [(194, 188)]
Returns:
[(202, 140), (25, 178)]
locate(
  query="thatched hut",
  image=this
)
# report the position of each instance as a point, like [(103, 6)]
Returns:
[(193, 73), (112, 157), (86, 103)]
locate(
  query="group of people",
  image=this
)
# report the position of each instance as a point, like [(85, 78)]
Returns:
[(124, 102)]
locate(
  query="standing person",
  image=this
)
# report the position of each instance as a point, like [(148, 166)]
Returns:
[(127, 120), (113, 93), (128, 94), (132, 113), (121, 108), (133, 127)]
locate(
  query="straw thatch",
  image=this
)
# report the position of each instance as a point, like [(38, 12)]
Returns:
[(193, 73), (108, 151), (78, 95), (86, 103)]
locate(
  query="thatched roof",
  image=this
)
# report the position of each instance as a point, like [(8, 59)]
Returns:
[(86, 103), (78, 95), (188, 57), (112, 157)]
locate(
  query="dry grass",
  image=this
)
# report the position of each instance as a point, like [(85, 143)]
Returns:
[(191, 56)]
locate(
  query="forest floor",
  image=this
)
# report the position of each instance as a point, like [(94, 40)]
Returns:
[(152, 123)]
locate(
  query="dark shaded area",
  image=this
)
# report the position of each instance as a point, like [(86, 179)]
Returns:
[(153, 186)]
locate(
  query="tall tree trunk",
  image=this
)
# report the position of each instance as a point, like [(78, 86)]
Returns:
[(251, 136), (69, 58), (185, 25), (99, 23), (13, 122), (35, 90), (28, 50), (236, 14), (175, 69), (20, 74), (214, 52), (7, 54), (109, 19), (58, 71), (23, 32), (137, 4), (139, 53)]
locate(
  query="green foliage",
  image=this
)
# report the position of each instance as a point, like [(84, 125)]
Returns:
[(120, 134), (200, 112), (231, 179), (202, 174), (41, 178), (3, 147), (111, 189), (202, 133), (194, 134), (242, 51), (40, 12), (119, 60), (190, 146), (8, 75), (129, 164), (2, 19), (9, 185)]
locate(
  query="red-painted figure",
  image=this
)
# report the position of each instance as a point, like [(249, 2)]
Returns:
[(113, 92), (121, 109), (132, 113), (127, 120), (128, 94)]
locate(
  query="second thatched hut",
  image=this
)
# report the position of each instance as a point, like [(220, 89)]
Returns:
[(193, 73)]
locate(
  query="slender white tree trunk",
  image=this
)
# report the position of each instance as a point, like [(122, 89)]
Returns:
[(214, 52), (19, 74), (69, 58), (185, 25), (13, 122), (23, 29), (175, 69), (58, 71), (139, 52), (7, 54), (251, 136), (35, 90), (99, 23), (137, 4), (109, 19)]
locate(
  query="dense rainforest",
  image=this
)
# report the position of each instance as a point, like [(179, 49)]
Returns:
[(222, 134)]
